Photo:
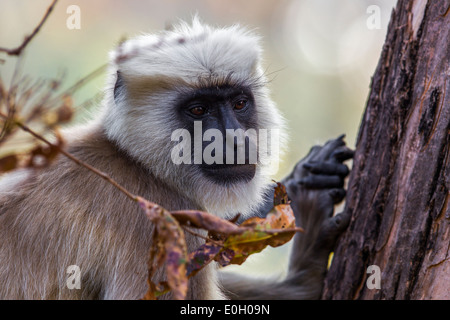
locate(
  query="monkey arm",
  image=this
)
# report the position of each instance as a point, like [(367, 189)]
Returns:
[(314, 187)]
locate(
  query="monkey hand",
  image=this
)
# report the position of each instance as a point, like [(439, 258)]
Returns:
[(314, 187)]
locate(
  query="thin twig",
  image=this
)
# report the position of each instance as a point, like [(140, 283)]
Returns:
[(79, 162), (74, 159), (80, 83), (201, 236), (17, 51)]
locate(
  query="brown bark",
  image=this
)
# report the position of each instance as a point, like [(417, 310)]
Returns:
[(398, 191)]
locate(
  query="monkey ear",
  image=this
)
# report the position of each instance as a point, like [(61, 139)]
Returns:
[(119, 86)]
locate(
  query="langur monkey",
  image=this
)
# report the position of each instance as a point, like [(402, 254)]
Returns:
[(64, 215)]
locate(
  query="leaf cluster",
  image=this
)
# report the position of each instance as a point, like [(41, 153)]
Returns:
[(226, 242)]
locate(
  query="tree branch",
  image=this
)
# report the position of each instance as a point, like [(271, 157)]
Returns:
[(73, 158), (17, 51)]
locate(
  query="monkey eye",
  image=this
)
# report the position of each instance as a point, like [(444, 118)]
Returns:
[(198, 110), (241, 104)]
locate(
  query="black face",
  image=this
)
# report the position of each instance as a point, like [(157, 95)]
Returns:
[(222, 108)]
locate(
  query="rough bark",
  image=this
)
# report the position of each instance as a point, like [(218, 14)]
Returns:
[(398, 191)]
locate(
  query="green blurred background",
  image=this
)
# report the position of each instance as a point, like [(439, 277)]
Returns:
[(320, 55)]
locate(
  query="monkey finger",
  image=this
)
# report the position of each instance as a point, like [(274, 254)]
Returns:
[(337, 195), (334, 143), (328, 149), (342, 154), (338, 223), (318, 181), (321, 153), (312, 154), (330, 230), (327, 168)]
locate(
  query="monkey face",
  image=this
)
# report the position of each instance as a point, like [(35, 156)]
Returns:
[(190, 104), (222, 122)]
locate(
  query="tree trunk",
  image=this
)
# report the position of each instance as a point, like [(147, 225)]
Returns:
[(398, 193)]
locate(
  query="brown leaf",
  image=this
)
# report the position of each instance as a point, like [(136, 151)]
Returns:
[(202, 257), (156, 290), (232, 243), (243, 245), (274, 230), (171, 246), (65, 114), (43, 155), (204, 220), (156, 260), (224, 257), (280, 195), (281, 217), (8, 163)]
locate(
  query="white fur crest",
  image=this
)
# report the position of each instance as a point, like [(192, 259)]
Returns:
[(190, 52)]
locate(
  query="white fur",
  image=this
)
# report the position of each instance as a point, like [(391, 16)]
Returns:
[(158, 67), (9, 182)]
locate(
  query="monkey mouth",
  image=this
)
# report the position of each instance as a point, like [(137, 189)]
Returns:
[(229, 173)]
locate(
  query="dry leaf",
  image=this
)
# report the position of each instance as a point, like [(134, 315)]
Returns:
[(201, 257), (227, 243), (207, 221), (280, 196), (171, 246), (8, 163)]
